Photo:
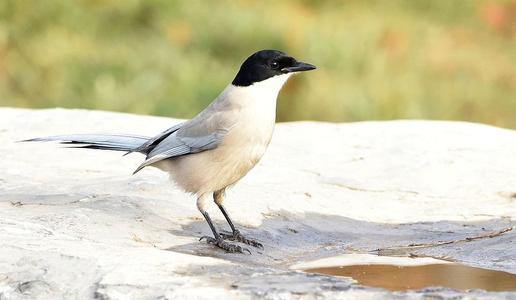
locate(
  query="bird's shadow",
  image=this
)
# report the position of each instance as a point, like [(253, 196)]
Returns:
[(289, 238)]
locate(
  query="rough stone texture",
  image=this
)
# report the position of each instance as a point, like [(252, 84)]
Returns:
[(76, 224)]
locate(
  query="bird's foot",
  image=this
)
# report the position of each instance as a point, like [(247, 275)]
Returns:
[(238, 237), (231, 248)]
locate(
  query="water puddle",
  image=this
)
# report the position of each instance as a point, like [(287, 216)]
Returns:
[(408, 277)]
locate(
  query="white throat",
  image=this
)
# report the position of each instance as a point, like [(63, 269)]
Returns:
[(264, 91), (259, 98), (274, 84)]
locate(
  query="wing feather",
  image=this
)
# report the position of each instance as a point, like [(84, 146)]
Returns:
[(175, 145), (204, 132), (152, 142)]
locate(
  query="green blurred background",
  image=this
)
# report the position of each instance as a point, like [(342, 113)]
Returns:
[(433, 59)]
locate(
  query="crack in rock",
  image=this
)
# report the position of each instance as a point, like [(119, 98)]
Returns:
[(402, 250)]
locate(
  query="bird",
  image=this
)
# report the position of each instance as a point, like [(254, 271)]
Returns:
[(212, 151)]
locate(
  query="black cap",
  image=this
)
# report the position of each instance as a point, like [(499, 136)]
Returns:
[(265, 64)]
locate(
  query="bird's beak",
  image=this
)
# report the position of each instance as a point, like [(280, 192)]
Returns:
[(299, 66)]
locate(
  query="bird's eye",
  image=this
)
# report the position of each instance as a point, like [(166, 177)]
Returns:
[(274, 65)]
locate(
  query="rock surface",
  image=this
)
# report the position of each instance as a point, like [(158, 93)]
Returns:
[(75, 223)]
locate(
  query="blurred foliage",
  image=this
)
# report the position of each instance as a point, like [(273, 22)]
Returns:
[(431, 59)]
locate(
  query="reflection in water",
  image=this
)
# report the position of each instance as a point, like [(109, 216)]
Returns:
[(398, 278)]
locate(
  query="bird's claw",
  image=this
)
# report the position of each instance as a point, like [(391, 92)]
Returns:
[(231, 248), (238, 237)]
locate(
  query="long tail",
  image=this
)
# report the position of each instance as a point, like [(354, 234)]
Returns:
[(114, 142)]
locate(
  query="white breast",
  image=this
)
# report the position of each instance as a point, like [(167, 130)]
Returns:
[(255, 107), (257, 103)]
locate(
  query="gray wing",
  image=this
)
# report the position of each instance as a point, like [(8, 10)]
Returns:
[(152, 142), (193, 137), (204, 132)]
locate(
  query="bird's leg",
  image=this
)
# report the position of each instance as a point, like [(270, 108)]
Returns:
[(235, 234), (217, 239)]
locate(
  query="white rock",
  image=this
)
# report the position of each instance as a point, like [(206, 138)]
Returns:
[(76, 224)]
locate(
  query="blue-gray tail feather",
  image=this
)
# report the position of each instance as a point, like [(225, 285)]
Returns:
[(114, 142)]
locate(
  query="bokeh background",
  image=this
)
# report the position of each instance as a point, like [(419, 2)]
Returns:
[(432, 59)]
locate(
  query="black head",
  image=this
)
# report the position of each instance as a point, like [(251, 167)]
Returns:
[(265, 64)]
